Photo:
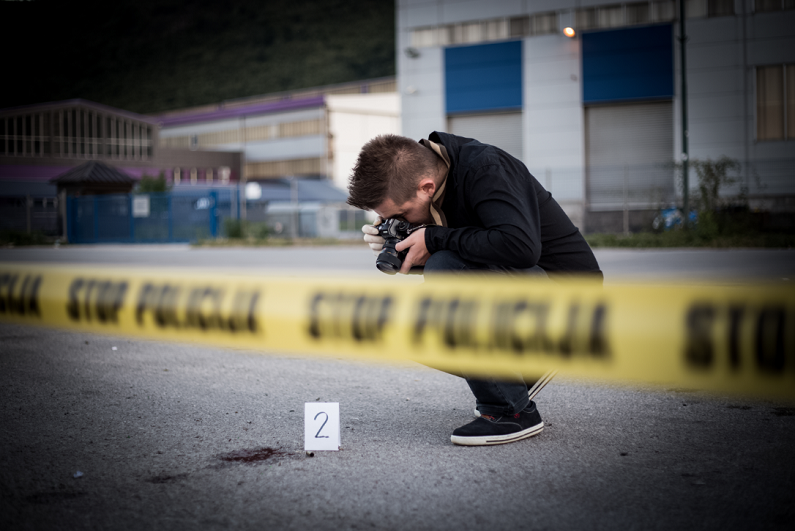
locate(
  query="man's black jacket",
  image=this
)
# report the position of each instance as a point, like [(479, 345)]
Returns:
[(499, 214)]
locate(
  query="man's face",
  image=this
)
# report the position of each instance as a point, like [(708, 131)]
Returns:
[(416, 211)]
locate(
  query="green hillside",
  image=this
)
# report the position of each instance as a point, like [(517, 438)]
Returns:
[(154, 55)]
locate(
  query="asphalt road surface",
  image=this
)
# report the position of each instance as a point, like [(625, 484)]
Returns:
[(617, 264), (171, 436)]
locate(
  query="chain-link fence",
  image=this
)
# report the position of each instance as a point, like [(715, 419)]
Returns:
[(191, 216), (29, 214)]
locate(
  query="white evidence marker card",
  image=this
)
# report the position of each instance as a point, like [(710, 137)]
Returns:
[(322, 426)]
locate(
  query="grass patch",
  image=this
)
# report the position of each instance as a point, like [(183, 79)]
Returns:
[(273, 242), (21, 239)]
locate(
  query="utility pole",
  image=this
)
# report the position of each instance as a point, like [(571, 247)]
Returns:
[(685, 156)]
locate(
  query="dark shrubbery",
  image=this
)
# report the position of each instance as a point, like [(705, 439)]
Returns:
[(20, 238), (723, 220)]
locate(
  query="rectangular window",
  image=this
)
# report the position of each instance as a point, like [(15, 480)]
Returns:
[(423, 37), (177, 175), (585, 19), (495, 29), (790, 105), (19, 132), (520, 26), (193, 176), (611, 16), (46, 134), (545, 23), (28, 135), (663, 11), (208, 175), (638, 13), (720, 8), (696, 8), (770, 106), (472, 32), (763, 6)]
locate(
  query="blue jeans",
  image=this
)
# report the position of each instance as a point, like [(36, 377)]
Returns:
[(492, 396)]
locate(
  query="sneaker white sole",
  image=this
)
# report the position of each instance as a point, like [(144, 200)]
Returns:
[(533, 391), (497, 439)]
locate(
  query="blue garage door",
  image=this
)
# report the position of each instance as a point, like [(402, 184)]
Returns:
[(628, 64), (486, 77)]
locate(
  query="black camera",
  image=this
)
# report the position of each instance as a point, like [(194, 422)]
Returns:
[(393, 231)]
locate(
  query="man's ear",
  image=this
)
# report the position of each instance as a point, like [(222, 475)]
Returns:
[(427, 186)]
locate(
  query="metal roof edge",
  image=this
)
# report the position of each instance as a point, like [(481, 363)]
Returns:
[(79, 102), (261, 108)]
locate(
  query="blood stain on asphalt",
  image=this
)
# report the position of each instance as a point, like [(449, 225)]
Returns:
[(251, 455)]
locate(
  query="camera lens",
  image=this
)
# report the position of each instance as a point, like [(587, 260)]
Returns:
[(388, 260), (388, 267)]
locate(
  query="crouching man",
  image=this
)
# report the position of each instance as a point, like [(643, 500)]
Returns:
[(485, 212)]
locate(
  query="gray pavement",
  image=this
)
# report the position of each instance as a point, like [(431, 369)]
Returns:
[(618, 264), (155, 428)]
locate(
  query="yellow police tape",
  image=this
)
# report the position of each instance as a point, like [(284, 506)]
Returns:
[(738, 340)]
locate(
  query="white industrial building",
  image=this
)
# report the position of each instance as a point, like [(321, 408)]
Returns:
[(596, 116), (310, 134)]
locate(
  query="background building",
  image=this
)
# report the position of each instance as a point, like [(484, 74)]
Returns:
[(314, 133), (41, 142), (597, 117), (281, 160)]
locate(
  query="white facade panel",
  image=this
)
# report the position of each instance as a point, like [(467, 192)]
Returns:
[(302, 147), (553, 122), (544, 6), (503, 130), (421, 83), (353, 121), (472, 10), (715, 81), (423, 15)]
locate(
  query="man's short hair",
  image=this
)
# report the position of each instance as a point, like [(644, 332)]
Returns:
[(389, 166)]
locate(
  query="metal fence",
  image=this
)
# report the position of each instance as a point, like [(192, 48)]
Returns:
[(145, 218), (190, 216), (29, 214)]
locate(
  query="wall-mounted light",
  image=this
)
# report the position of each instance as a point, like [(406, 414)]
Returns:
[(411, 52), (569, 32)]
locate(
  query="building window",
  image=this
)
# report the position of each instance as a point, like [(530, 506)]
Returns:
[(208, 175), (720, 8), (775, 102), (177, 175), (611, 16), (224, 172), (708, 8), (662, 11), (520, 26), (637, 13), (763, 6), (545, 23), (194, 176)]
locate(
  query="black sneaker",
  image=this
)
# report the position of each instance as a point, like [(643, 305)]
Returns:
[(489, 429)]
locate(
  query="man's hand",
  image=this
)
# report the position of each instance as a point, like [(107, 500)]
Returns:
[(372, 238), (418, 254)]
